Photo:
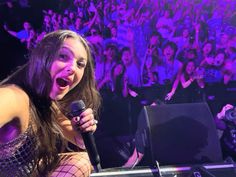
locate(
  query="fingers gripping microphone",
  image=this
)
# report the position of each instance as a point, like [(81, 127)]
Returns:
[(77, 107)]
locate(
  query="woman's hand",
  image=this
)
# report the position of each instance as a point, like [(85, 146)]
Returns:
[(221, 114), (86, 121), (169, 95)]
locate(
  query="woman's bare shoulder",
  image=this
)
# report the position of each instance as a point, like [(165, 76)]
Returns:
[(14, 103), (13, 92)]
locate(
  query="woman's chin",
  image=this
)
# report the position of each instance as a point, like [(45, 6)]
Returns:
[(57, 96)]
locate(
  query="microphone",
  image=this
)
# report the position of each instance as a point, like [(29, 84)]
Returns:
[(77, 107)]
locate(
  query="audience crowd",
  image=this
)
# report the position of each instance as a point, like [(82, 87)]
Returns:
[(181, 45)]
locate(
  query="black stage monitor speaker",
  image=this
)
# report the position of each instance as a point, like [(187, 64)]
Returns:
[(181, 134)]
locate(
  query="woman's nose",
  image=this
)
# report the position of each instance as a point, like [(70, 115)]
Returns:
[(71, 67)]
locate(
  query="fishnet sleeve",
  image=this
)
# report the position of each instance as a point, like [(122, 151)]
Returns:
[(75, 164)]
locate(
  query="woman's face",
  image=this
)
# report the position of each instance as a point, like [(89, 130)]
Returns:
[(65, 20), (126, 58), (67, 68), (110, 53), (78, 22), (113, 32), (190, 55), (47, 19), (27, 26), (207, 48), (185, 33), (154, 40), (71, 15), (190, 68), (210, 60), (219, 59), (168, 52)]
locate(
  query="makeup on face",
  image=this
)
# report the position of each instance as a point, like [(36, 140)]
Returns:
[(68, 68)]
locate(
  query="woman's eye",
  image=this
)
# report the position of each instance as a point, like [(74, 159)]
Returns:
[(62, 57), (80, 64)]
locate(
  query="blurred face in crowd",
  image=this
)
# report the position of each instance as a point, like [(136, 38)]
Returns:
[(46, 19), (210, 60), (230, 50), (190, 67), (113, 32), (219, 59), (126, 57), (112, 5), (169, 52), (185, 33), (59, 17), (67, 68), (71, 15), (207, 48), (50, 11), (122, 9), (144, 16), (65, 20), (94, 32), (27, 26), (190, 55), (110, 53), (78, 22), (154, 40), (187, 20)]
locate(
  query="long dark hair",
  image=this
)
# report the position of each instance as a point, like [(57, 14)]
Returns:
[(34, 78), (186, 75)]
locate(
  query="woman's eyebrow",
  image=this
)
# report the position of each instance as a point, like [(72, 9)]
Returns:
[(64, 48)]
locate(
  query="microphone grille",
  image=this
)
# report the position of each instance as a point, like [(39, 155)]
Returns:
[(77, 105)]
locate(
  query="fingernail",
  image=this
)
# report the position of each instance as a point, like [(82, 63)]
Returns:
[(76, 119)]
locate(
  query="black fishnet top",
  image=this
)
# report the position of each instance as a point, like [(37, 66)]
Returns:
[(18, 157)]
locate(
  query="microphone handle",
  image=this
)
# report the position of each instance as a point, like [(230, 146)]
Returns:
[(90, 145), (77, 107)]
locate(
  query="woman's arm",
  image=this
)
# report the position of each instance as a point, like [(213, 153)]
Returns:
[(125, 89), (134, 159), (185, 83), (14, 113), (175, 84), (220, 124), (107, 78)]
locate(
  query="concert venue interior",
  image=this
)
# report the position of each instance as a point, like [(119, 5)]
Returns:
[(164, 68)]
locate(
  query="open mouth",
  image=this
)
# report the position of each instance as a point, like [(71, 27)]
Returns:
[(62, 82)]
